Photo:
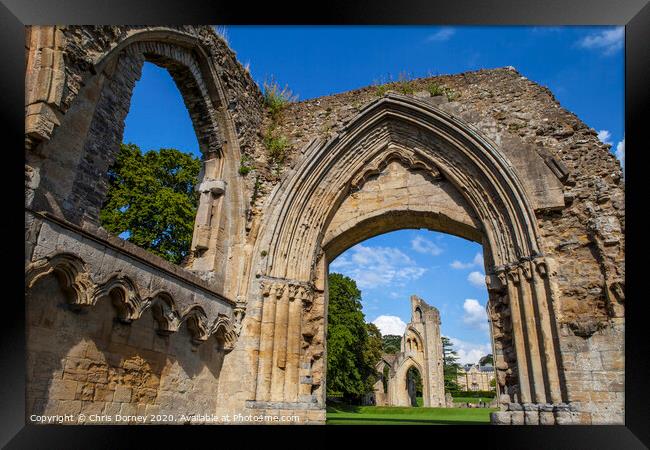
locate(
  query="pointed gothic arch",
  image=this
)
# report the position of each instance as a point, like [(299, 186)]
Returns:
[(490, 204)]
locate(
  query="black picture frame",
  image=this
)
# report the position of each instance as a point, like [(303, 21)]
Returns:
[(15, 14)]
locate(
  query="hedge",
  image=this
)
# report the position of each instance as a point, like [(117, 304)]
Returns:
[(475, 394)]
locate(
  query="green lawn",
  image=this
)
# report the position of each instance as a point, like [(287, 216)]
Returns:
[(471, 399), (395, 415)]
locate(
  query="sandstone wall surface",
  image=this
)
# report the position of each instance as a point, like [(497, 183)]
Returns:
[(77, 96)]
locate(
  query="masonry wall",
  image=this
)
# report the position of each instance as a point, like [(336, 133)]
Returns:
[(104, 359), (92, 364), (581, 218), (112, 328)]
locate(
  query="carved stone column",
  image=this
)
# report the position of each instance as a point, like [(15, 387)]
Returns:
[(286, 362), (271, 292), (530, 297), (544, 299), (280, 344), (297, 295), (510, 278), (531, 314)]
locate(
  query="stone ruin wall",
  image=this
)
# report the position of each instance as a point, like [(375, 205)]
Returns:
[(113, 329), (586, 238)]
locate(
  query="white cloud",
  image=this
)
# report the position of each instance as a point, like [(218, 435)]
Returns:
[(390, 325), (608, 41), (475, 314), (468, 352), (605, 137), (375, 267), (422, 245), (476, 279), (620, 151), (461, 265), (443, 34), (476, 262)]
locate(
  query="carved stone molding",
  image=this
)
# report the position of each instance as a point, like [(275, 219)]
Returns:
[(130, 301), (413, 162), (71, 273)]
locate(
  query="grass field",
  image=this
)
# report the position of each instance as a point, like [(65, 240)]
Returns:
[(471, 399), (395, 415)]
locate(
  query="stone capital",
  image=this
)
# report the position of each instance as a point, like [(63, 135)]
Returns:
[(209, 185), (541, 266), (526, 269), (513, 274)]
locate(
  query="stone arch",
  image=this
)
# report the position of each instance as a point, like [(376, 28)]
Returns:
[(416, 342), (86, 138), (418, 313), (493, 208), (71, 273), (399, 392)]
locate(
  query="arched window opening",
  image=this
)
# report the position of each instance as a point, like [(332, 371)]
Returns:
[(384, 379), (450, 301), (414, 386), (151, 200)]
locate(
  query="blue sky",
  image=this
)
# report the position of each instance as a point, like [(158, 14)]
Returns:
[(446, 271), (582, 66)]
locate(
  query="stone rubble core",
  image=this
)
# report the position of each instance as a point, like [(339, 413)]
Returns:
[(241, 326)]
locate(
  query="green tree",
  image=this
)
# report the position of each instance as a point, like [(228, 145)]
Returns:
[(414, 374), (391, 343), (451, 366), (151, 198), (353, 346), (372, 351), (487, 359)]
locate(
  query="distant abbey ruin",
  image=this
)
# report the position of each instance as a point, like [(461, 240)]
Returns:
[(421, 348), (241, 327)]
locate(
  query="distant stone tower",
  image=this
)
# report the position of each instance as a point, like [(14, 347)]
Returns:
[(421, 348)]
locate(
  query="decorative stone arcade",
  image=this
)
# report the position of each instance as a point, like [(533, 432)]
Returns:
[(241, 328)]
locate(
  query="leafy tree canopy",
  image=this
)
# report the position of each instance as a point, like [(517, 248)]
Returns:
[(354, 347), (391, 343), (451, 365), (151, 197), (487, 359)]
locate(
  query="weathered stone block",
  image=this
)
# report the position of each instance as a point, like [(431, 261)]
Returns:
[(546, 418), (103, 394), (531, 417), (517, 417), (63, 389), (564, 418), (68, 407), (122, 394), (613, 360)]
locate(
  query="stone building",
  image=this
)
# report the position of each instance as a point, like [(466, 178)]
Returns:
[(421, 348), (473, 377), (241, 327)]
